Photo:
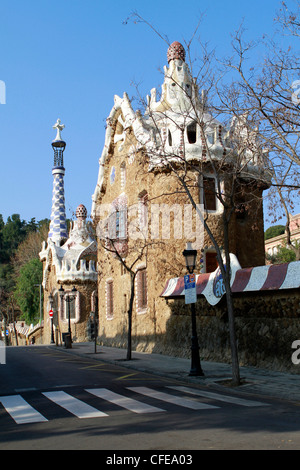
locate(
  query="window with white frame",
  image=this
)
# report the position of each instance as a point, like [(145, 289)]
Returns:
[(73, 305), (117, 225), (121, 222)]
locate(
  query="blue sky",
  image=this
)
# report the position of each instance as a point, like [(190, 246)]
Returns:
[(68, 59)]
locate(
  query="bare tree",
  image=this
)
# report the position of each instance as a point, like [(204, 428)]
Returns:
[(233, 156), (113, 237), (267, 93)]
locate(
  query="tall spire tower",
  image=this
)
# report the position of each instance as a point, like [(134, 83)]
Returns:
[(58, 224)]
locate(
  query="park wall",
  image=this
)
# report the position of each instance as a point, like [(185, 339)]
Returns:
[(267, 324)]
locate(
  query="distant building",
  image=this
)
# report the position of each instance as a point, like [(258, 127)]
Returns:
[(273, 244)]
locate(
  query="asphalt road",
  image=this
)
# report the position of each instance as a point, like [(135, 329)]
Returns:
[(50, 400)]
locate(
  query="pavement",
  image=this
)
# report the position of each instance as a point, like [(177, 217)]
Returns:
[(255, 381)]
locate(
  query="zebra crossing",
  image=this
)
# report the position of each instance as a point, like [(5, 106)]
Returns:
[(23, 412)]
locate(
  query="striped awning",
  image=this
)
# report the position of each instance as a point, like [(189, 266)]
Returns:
[(261, 278)]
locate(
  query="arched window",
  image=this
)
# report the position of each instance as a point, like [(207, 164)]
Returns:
[(74, 306), (117, 221), (192, 132)]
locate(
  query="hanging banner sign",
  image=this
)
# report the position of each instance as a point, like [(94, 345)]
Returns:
[(190, 289)]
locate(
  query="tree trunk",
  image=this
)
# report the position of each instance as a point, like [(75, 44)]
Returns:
[(229, 302), (226, 279), (232, 335), (130, 308)]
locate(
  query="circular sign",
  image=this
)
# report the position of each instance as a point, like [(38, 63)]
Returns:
[(50, 313)]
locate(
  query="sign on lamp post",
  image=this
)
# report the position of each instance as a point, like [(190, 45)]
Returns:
[(190, 294), (190, 289), (51, 318)]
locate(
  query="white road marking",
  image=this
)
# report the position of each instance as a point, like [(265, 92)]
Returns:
[(180, 401), (219, 397), (73, 405), (125, 402), (20, 410)]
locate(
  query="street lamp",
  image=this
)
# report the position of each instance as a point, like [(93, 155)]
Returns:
[(50, 298), (190, 261), (190, 258), (68, 299)]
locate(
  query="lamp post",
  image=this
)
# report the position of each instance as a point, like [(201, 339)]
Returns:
[(68, 299), (190, 261), (50, 298)]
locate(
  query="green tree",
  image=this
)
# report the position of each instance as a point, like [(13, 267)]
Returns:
[(26, 294), (31, 226), (12, 233), (284, 255), (274, 231), (6, 277)]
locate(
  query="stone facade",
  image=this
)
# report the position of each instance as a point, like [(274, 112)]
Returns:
[(141, 211), (68, 266)]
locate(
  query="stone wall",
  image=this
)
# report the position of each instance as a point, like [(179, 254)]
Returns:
[(266, 326)]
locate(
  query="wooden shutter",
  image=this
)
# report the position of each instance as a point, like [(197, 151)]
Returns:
[(142, 289), (109, 299), (211, 261), (209, 194)]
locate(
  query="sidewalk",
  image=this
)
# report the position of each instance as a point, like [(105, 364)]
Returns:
[(259, 382)]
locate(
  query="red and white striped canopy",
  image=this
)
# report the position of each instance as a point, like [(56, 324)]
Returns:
[(261, 278)]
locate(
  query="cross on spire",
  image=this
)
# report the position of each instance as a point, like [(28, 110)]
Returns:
[(59, 128)]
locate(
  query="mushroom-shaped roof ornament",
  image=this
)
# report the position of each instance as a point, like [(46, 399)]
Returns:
[(176, 51)]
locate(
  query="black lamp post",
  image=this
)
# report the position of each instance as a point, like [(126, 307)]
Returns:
[(50, 298), (68, 299), (190, 261)]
